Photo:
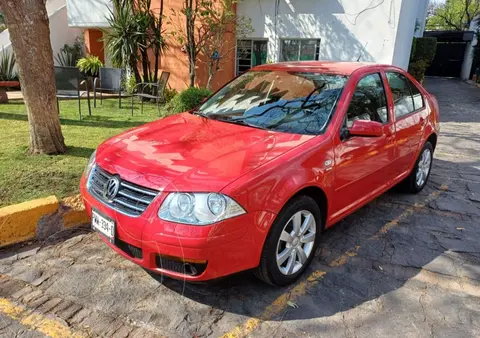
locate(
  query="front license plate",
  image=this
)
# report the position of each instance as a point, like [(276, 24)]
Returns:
[(103, 225)]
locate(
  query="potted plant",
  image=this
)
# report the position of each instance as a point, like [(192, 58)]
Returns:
[(90, 65)]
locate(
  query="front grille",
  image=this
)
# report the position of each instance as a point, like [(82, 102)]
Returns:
[(131, 199), (129, 249)]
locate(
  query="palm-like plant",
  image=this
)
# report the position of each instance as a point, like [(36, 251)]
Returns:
[(135, 28), (7, 67), (124, 37), (70, 54)]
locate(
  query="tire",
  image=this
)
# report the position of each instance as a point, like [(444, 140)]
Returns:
[(289, 271), (412, 183)]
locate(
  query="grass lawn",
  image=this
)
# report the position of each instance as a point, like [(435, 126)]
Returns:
[(24, 177)]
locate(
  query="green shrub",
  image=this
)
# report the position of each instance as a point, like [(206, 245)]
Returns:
[(188, 99), (417, 69), (90, 65), (129, 83), (170, 93), (422, 54)]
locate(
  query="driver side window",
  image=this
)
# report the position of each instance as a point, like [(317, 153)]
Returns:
[(369, 101)]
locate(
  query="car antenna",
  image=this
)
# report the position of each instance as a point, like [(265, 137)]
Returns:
[(361, 52)]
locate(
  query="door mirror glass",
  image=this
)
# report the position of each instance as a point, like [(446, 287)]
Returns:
[(366, 128)]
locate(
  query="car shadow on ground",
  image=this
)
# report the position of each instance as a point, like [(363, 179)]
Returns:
[(372, 252)]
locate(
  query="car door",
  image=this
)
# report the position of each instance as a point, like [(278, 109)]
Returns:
[(363, 164), (409, 115)]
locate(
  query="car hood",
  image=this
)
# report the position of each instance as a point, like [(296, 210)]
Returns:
[(187, 152)]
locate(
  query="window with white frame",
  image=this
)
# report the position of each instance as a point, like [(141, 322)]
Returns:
[(300, 49), (251, 53)]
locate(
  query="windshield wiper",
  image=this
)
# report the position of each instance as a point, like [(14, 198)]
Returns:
[(241, 122), (316, 89), (199, 113)]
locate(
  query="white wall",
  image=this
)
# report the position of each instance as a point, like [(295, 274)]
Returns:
[(60, 33), (347, 29), (405, 33), (88, 13), (468, 59), (421, 17)]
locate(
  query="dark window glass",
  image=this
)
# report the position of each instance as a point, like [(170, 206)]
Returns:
[(290, 50), (402, 96), (369, 101), (251, 53), (417, 96), (300, 49)]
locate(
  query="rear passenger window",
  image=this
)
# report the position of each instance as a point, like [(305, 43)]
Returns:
[(369, 101), (417, 96), (406, 96)]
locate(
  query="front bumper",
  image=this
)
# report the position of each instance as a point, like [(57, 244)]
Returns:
[(216, 250)]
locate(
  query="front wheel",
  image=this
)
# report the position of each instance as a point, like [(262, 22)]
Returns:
[(421, 171), (291, 243)]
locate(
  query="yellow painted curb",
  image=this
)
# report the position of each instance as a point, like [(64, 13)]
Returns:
[(19, 222), (35, 321), (75, 212)]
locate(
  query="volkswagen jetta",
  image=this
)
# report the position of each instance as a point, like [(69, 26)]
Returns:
[(251, 177)]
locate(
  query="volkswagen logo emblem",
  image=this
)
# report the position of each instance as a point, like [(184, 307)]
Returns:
[(110, 189)]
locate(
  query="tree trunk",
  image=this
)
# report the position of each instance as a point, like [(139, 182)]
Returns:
[(192, 73), (134, 67), (157, 47), (190, 16), (145, 65), (27, 22), (210, 76)]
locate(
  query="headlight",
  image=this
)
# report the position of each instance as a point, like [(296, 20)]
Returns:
[(198, 208), (90, 164)]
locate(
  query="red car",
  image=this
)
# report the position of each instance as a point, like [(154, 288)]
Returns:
[(251, 178)]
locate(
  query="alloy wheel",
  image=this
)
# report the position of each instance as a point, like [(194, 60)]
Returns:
[(296, 242), (423, 167)]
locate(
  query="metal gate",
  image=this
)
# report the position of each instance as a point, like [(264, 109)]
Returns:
[(450, 54)]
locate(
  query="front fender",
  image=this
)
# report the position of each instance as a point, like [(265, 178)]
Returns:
[(271, 186)]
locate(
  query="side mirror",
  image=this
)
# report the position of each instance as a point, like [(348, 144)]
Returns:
[(366, 128)]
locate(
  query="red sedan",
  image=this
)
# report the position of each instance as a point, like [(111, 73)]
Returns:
[(251, 178)]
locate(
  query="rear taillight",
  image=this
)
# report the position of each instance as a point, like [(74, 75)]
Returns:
[(434, 106)]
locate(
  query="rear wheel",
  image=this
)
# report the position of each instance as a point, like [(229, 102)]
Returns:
[(291, 243), (418, 178)]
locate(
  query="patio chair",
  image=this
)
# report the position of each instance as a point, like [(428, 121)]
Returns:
[(156, 91), (108, 80), (69, 82)]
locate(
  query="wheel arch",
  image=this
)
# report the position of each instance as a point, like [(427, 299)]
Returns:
[(433, 138), (319, 196)]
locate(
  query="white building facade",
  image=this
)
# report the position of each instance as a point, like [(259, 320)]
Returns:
[(378, 31)]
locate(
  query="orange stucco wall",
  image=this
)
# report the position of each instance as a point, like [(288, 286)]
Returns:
[(176, 62), (93, 43)]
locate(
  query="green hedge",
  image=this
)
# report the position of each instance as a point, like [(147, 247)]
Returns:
[(422, 54), (188, 99)]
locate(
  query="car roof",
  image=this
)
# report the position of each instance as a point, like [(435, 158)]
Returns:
[(330, 67)]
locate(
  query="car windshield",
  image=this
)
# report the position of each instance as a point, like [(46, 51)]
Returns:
[(292, 102)]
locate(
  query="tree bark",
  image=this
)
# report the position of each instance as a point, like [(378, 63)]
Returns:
[(191, 8), (27, 22), (158, 27)]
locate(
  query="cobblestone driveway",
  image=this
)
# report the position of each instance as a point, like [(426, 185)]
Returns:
[(401, 266)]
